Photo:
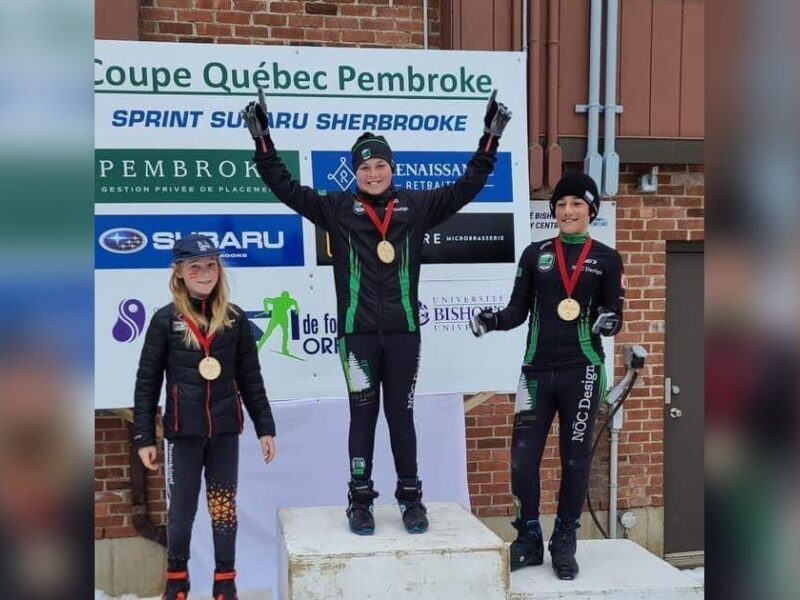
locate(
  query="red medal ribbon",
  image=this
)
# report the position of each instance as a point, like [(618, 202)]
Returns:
[(205, 342), (571, 282), (382, 227)]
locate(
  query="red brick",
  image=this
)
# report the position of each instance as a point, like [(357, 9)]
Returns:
[(479, 432), (251, 31), (250, 6), (305, 21), (234, 18), (115, 435), (214, 4), (286, 7), (356, 11), (271, 20), (378, 24), (492, 443), (214, 29), (391, 12), (358, 37), (286, 33), (175, 3), (321, 8)]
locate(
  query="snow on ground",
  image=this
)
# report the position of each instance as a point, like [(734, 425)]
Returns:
[(698, 573)]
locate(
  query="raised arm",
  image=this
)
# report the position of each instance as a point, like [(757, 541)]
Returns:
[(440, 204), (304, 200)]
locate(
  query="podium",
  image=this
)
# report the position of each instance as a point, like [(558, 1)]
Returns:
[(458, 558), (610, 570)]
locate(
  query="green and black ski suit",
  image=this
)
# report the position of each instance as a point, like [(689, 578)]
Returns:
[(377, 304)]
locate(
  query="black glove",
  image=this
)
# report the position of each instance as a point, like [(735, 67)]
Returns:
[(607, 323), (483, 322), (497, 116), (255, 116)]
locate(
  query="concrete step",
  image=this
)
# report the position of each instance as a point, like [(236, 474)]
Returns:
[(609, 570), (458, 558)]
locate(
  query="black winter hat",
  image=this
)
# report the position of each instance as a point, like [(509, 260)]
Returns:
[(575, 183), (193, 246), (371, 146)]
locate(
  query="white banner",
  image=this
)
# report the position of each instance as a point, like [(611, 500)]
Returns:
[(173, 157)]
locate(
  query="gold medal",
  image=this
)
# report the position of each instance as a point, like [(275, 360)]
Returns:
[(569, 309), (209, 368), (386, 252)]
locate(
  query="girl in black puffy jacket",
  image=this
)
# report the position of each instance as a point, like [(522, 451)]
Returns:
[(205, 345)]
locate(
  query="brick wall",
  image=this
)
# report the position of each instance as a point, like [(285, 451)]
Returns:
[(365, 23), (644, 225)]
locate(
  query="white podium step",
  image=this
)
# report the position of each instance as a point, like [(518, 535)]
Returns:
[(609, 570), (458, 558)]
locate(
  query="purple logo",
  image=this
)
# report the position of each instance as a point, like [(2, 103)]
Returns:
[(130, 323), (424, 315)]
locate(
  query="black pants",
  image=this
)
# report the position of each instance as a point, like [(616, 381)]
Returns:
[(576, 395), (369, 360), (187, 458)]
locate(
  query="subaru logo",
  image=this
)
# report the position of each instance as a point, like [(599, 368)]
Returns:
[(122, 240)]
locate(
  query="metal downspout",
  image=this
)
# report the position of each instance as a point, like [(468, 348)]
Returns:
[(425, 24), (534, 52), (592, 162), (610, 157), (554, 153), (613, 460)]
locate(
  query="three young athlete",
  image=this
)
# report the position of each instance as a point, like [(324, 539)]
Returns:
[(568, 288)]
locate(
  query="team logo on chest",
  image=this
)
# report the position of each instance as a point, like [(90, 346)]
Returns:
[(546, 261), (358, 207)]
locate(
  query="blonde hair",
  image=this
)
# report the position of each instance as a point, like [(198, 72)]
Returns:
[(221, 309)]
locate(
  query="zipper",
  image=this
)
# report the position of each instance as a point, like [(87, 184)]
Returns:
[(208, 408), (175, 420), (239, 406)]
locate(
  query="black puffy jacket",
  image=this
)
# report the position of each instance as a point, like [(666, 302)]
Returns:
[(373, 297), (194, 406)]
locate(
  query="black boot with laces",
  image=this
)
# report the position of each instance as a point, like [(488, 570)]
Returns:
[(359, 509), (409, 497), (528, 549), (563, 545)]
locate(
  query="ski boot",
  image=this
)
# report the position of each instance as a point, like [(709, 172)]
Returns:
[(563, 545), (177, 587), (409, 497), (359, 509), (528, 549), (224, 585)]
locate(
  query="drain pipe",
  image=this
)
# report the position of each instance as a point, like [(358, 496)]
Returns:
[(534, 53), (425, 24), (613, 459), (610, 156), (592, 163), (554, 152)]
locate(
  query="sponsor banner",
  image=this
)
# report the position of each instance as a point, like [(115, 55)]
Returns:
[(415, 171), (296, 330), (146, 241), (183, 175), (463, 239), (173, 157)]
